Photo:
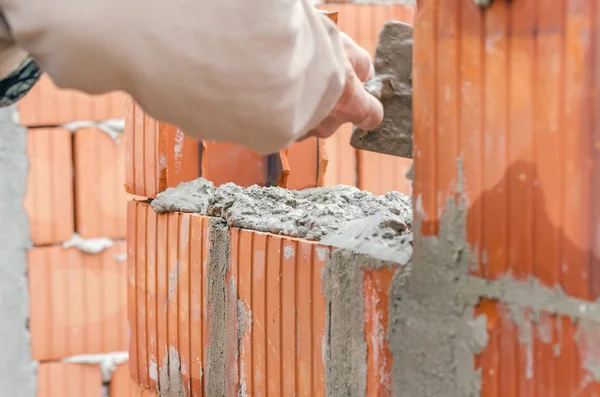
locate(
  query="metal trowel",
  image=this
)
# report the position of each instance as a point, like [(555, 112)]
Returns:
[(392, 85)]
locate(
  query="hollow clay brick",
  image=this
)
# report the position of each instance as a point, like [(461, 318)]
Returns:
[(536, 353), (530, 180), (277, 284), (121, 384), (157, 155), (167, 310), (341, 167), (306, 160), (100, 197), (77, 302), (47, 105), (49, 197), (227, 162), (69, 380)]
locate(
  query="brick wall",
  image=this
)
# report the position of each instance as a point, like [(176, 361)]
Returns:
[(76, 267), (79, 162)]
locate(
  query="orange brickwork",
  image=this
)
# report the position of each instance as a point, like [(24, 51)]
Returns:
[(277, 279), (77, 302), (49, 198), (100, 197), (75, 184), (505, 122), (69, 380), (157, 155), (47, 106)]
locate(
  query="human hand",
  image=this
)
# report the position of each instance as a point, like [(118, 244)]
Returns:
[(355, 105)]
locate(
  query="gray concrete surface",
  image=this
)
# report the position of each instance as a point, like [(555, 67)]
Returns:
[(19, 373)]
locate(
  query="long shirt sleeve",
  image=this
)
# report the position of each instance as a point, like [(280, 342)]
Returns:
[(258, 73)]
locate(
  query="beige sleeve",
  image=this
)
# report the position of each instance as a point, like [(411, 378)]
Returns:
[(259, 73)]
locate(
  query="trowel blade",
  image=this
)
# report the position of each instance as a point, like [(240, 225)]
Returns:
[(392, 85)]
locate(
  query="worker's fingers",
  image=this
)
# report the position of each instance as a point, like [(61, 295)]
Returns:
[(359, 58), (359, 107)]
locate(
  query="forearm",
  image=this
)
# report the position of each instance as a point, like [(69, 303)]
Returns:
[(259, 73)]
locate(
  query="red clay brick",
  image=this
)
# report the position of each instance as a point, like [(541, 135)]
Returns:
[(121, 384), (342, 165), (552, 363), (227, 162), (157, 155), (523, 219), (162, 250), (306, 161), (277, 278), (77, 302), (100, 197), (380, 173), (49, 197), (69, 380), (48, 105)]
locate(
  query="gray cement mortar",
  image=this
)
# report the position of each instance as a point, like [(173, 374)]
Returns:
[(217, 304), (431, 330), (187, 197), (19, 372), (171, 381), (311, 214), (346, 349)]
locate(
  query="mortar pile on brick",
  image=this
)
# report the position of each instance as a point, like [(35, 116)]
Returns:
[(260, 307)]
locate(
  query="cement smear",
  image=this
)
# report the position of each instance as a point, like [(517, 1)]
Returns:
[(19, 372), (108, 362), (170, 381), (588, 341), (380, 236), (188, 197), (218, 258), (346, 353), (431, 331), (532, 295), (89, 246), (113, 128)]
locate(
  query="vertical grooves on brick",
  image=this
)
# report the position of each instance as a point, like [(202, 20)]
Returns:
[(562, 154), (204, 316), (296, 318), (147, 248), (266, 335), (280, 315), (532, 147), (131, 287), (505, 244), (594, 263), (252, 361), (312, 321), (238, 284)]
